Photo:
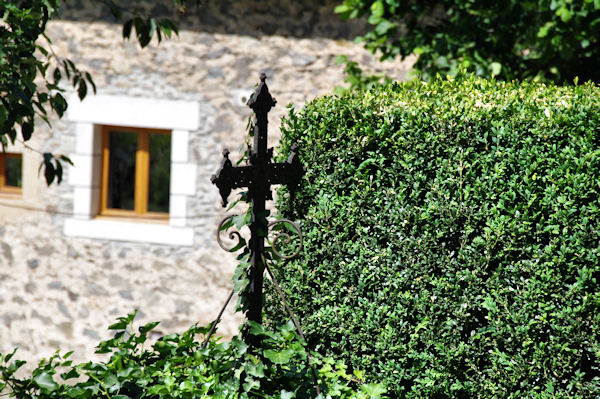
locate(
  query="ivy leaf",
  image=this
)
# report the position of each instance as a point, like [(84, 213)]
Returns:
[(279, 357), (73, 373), (45, 382), (373, 390), (239, 345), (255, 370), (287, 394)]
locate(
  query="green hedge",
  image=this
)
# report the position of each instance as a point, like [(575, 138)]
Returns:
[(451, 236)]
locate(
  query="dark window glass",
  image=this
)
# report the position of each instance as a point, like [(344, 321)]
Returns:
[(160, 172), (121, 170), (12, 170)]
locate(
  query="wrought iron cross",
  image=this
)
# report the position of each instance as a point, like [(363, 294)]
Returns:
[(258, 177)]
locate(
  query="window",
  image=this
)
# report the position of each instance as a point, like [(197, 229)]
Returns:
[(136, 172), (114, 197), (10, 173)]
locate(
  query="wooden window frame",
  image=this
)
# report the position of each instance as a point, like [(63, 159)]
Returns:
[(4, 189), (142, 174)]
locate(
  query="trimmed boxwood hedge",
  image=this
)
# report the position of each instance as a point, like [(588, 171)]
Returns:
[(451, 236)]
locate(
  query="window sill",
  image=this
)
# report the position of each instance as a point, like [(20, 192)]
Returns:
[(128, 217), (11, 193), (110, 228)]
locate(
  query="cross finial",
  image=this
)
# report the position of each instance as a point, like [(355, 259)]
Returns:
[(261, 100)]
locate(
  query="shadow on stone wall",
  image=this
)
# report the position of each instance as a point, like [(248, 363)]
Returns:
[(256, 18)]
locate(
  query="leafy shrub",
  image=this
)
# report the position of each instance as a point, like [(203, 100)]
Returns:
[(553, 40), (451, 244), (177, 366)]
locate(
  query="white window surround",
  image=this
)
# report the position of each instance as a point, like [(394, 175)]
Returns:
[(88, 116)]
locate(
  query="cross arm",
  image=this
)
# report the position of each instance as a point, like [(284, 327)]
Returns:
[(289, 173), (229, 177)]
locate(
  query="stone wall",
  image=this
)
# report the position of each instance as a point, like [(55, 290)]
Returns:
[(62, 292), (256, 18)]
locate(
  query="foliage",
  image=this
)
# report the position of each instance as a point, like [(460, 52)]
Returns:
[(553, 40), (356, 78), (33, 76), (30, 75), (178, 366), (451, 235)]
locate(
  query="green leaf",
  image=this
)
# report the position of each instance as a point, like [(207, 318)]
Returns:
[(543, 31), (287, 394), (26, 130), (142, 31), (122, 322), (384, 27), (66, 159), (148, 327), (240, 284), (495, 67), (109, 380), (342, 8), (127, 28), (45, 382), (187, 386), (91, 81), (373, 390), (114, 10), (255, 370), (58, 172), (58, 104), (57, 75), (151, 27), (242, 220), (82, 90), (239, 345), (377, 9), (564, 13), (341, 59), (73, 373), (49, 171), (279, 357), (168, 27)]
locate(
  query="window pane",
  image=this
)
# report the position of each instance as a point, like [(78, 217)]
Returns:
[(121, 170), (160, 172), (12, 170)]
